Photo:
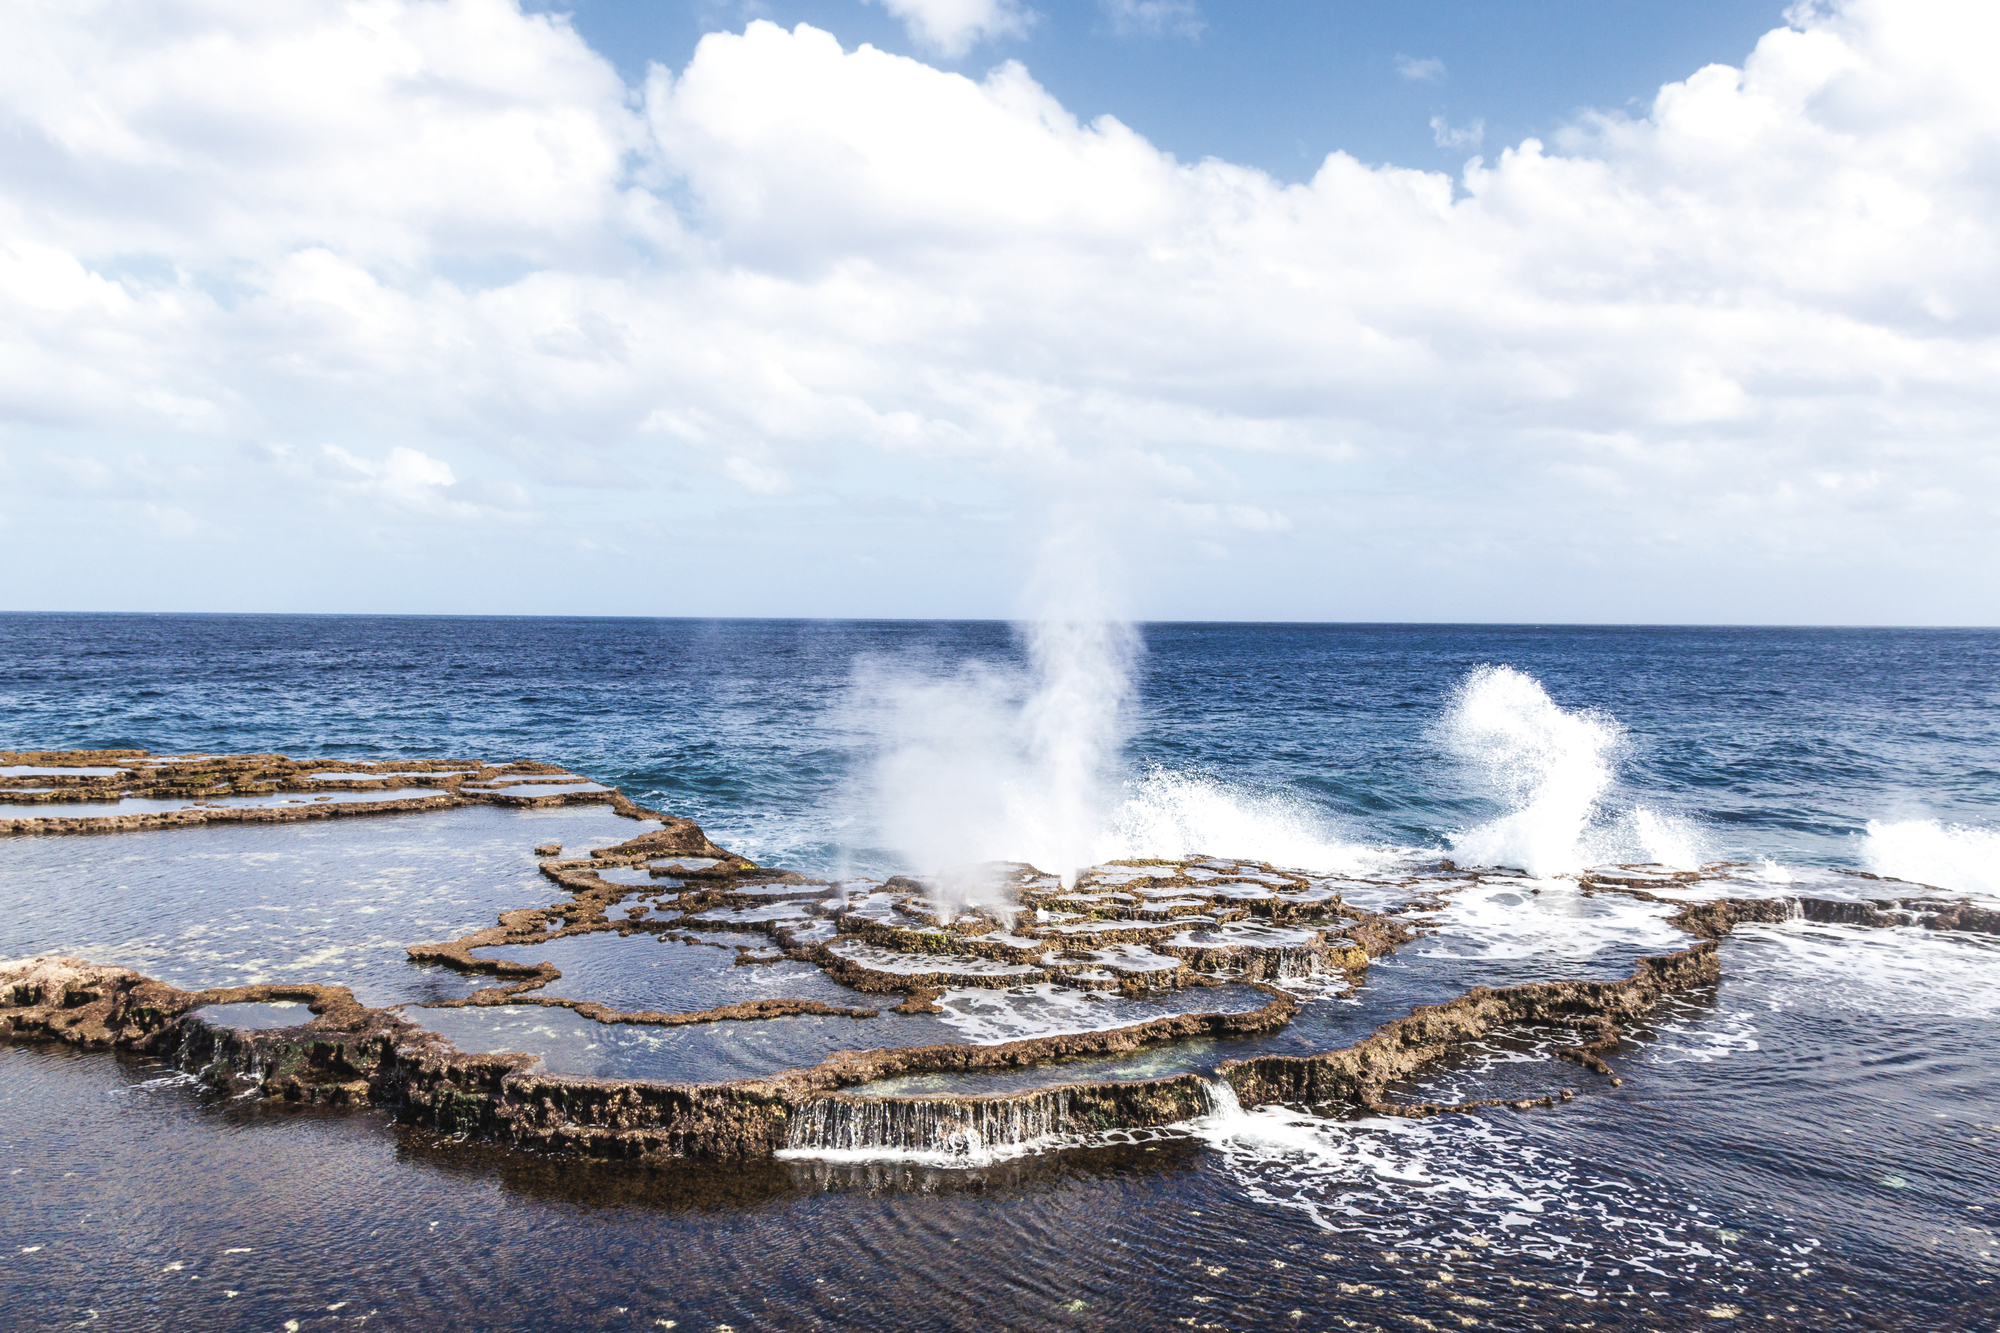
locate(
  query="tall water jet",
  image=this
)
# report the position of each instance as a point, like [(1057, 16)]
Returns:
[(1077, 717), (983, 763)]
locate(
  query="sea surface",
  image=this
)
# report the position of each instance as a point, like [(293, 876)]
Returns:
[(1814, 1144)]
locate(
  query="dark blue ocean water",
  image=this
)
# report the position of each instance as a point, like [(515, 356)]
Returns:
[(1814, 1144), (1779, 743)]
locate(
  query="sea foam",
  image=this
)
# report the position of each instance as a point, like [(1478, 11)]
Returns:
[(1926, 851), (1170, 814)]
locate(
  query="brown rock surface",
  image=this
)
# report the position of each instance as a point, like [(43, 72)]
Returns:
[(1358, 1074), (201, 780), (346, 1052)]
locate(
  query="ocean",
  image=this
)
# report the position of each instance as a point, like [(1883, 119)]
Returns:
[(1813, 1143)]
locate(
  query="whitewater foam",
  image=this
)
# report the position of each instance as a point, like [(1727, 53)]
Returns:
[(1957, 857), (987, 1016), (1553, 769), (1891, 971), (1170, 815), (1552, 765), (1433, 1186), (1552, 919)]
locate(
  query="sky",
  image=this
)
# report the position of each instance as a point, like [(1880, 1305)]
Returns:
[(1552, 312)]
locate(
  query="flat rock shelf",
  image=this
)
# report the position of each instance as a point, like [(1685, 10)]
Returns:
[(662, 997)]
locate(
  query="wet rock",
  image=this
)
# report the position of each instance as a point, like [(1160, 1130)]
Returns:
[(1714, 919), (204, 782), (969, 1126), (1136, 927), (1358, 1074), (680, 837)]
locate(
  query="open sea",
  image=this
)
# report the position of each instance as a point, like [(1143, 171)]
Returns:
[(1812, 1144)]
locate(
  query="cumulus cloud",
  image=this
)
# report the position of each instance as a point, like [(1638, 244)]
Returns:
[(950, 28), (1731, 358), (404, 480)]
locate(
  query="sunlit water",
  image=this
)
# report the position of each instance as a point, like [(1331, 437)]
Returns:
[(1815, 1144)]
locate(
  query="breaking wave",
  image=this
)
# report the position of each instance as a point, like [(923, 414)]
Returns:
[(1927, 851), (1175, 814), (1554, 770)]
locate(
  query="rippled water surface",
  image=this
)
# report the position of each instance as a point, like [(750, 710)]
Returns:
[(1814, 1143)]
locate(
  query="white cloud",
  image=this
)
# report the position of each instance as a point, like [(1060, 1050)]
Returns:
[(404, 481), (1469, 135), (950, 28), (224, 133), (1427, 70), (1614, 369), (1154, 18)]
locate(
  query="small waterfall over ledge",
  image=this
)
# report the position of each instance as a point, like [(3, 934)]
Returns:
[(970, 1131), (957, 1129)]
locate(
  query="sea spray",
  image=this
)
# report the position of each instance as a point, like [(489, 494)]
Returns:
[(984, 763), (1170, 814), (1958, 857), (1550, 764), (1553, 769), (1075, 722), (1666, 840)]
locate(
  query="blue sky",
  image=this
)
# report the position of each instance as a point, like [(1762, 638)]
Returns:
[(1281, 85), (1419, 312)]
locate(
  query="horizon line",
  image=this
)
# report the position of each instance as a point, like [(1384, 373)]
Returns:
[(1000, 620)]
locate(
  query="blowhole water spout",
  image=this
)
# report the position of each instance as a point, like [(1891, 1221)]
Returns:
[(988, 764)]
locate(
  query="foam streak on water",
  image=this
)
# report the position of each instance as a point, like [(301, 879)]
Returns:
[(1454, 1183), (1887, 972)]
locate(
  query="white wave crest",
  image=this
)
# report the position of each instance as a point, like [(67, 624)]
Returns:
[(1927, 851), (1553, 768), (1171, 814), (1551, 764)]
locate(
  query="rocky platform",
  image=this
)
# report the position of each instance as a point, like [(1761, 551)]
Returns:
[(1137, 929), (121, 791)]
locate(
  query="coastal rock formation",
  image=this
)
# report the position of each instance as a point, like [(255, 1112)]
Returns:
[(1358, 1074), (267, 788), (1143, 928)]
